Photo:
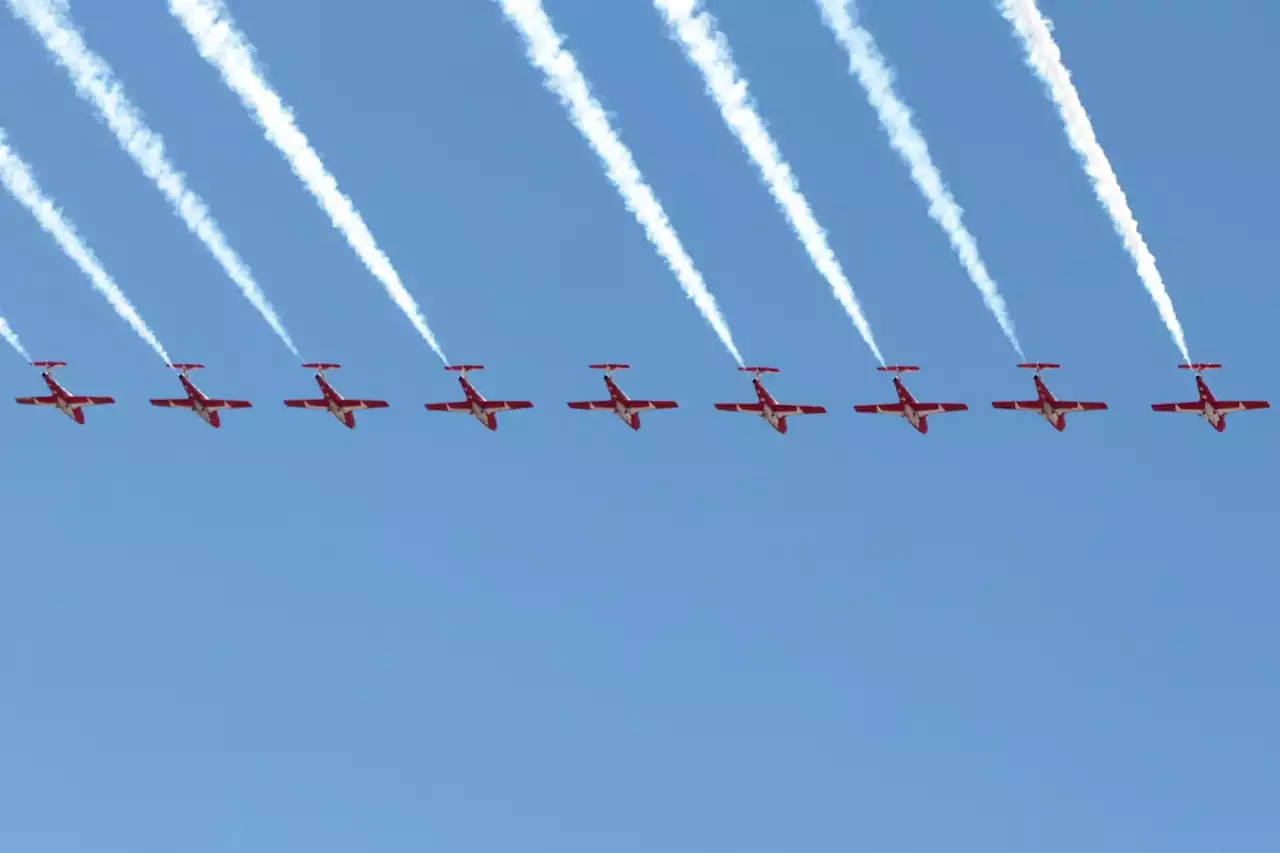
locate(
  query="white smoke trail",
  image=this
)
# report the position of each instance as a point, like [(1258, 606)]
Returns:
[(1044, 57), (708, 49), (7, 332), (867, 63), (17, 178), (95, 82), (567, 82), (223, 46)]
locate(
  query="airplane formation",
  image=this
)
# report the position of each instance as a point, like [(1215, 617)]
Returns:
[(628, 410), (227, 49)]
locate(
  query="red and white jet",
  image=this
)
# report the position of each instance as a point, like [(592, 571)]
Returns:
[(1209, 407), (333, 402), (774, 413), (1046, 405), (907, 407), (627, 410), (485, 411), (69, 404), (196, 400)]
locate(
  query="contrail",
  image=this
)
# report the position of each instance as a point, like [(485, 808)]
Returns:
[(708, 49), (223, 46), (95, 82), (867, 63), (7, 332), (1044, 57), (17, 178), (567, 82)]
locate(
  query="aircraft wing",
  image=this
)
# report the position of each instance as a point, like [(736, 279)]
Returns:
[(1073, 406), (184, 403), (37, 401), (1226, 406), (652, 405), (91, 401), (881, 409), (364, 404), (789, 410), (307, 404), (939, 408), (1190, 408), (215, 405), (506, 405), (592, 405), (460, 406), (745, 408), (1017, 405)]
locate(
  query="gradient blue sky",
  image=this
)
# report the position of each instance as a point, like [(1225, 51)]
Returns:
[(702, 636)]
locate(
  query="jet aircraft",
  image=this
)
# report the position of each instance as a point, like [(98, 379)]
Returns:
[(907, 407), (65, 402), (1209, 407), (627, 409), (1046, 405), (485, 411), (331, 401), (196, 401), (773, 413)]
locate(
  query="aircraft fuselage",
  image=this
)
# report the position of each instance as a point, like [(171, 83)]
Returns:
[(334, 402), (197, 398), (772, 418), (620, 401), (1210, 413), (477, 405), (61, 398), (908, 407)]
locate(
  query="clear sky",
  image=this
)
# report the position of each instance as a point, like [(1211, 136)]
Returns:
[(704, 636)]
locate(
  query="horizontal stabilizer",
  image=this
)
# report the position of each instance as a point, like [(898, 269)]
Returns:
[(48, 365), (758, 370), (322, 366), (1038, 366), (187, 366), (609, 367), (463, 368), (1199, 366), (898, 368)]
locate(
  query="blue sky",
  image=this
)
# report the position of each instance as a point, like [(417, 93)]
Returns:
[(702, 636)]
